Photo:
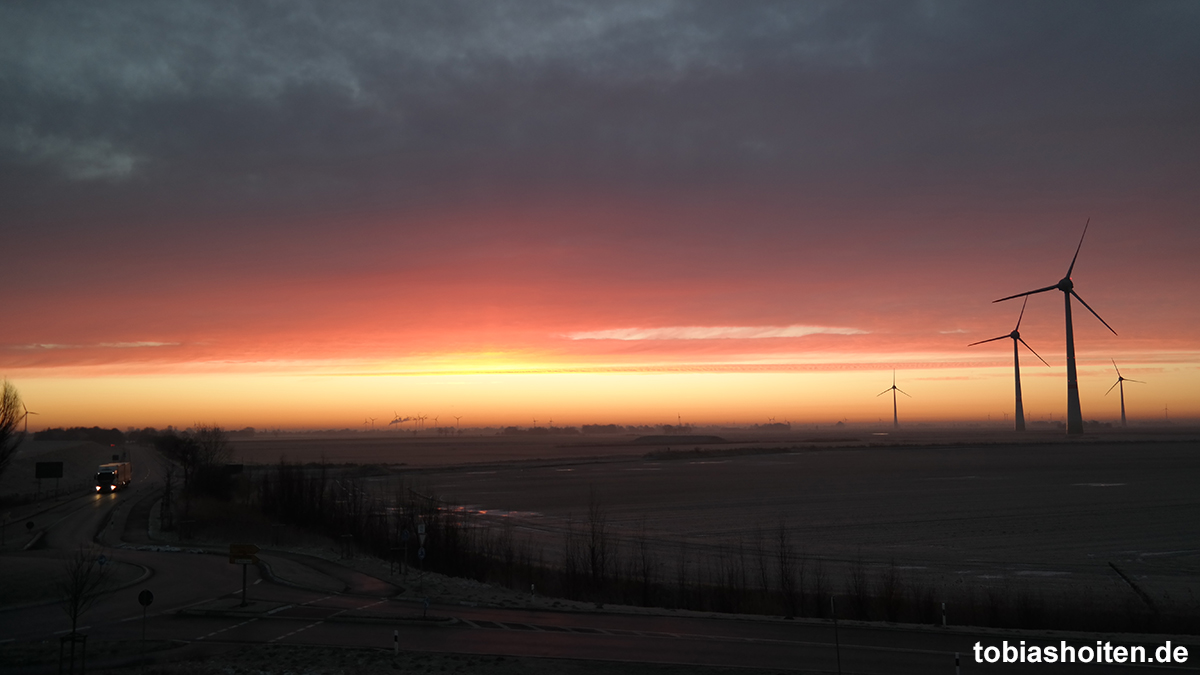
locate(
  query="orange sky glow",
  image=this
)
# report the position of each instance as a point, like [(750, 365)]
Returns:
[(599, 214)]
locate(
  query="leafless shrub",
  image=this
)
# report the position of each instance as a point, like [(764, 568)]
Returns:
[(858, 589), (891, 592), (11, 414), (786, 558), (82, 580)]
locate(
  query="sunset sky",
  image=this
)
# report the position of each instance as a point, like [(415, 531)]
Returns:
[(303, 214)]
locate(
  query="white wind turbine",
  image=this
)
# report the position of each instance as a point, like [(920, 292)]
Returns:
[(1121, 381), (894, 389), (25, 417), (1016, 337), (1074, 412)]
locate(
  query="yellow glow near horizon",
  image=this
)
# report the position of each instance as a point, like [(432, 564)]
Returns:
[(322, 400)]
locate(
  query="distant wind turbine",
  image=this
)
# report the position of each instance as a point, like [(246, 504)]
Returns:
[(1016, 337), (1121, 381), (893, 389), (25, 417), (456, 420), (1074, 413)]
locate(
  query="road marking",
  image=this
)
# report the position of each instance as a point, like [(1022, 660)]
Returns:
[(315, 623), (217, 632), (317, 600)]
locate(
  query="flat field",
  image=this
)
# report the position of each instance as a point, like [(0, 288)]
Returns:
[(945, 508)]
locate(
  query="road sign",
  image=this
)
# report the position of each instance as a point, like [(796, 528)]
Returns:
[(48, 470), (421, 537), (420, 528), (421, 553), (404, 536), (242, 554), (145, 598)]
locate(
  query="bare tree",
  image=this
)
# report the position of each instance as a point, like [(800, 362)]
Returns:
[(598, 554), (83, 579), (212, 445), (787, 570), (11, 414)]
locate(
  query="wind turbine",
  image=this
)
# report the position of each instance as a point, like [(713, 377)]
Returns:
[(1016, 337), (25, 417), (456, 420), (1074, 414), (893, 389), (1121, 381)]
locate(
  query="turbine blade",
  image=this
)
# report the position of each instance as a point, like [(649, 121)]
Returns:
[(1021, 295), (1126, 379), (1085, 227), (1089, 308), (1112, 387), (1115, 367), (903, 392), (991, 340), (883, 392), (1022, 314), (1034, 353)]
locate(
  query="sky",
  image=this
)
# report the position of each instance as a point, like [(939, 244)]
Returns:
[(307, 214)]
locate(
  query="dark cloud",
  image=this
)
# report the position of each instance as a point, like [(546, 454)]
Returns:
[(127, 109)]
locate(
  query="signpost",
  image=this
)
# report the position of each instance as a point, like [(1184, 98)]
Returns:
[(243, 554), (144, 599), (48, 470)]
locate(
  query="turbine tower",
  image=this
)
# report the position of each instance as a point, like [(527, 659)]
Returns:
[(893, 389), (1074, 414), (1016, 337), (1121, 381)]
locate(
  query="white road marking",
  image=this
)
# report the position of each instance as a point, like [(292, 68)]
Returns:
[(317, 600), (217, 632), (315, 623)]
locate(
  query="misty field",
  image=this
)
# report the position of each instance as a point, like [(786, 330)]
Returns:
[(1105, 525)]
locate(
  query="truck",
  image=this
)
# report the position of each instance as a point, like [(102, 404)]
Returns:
[(113, 476)]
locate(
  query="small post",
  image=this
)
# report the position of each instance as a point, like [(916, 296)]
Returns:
[(143, 638), (837, 644), (395, 642), (957, 671), (243, 584), (943, 615)]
